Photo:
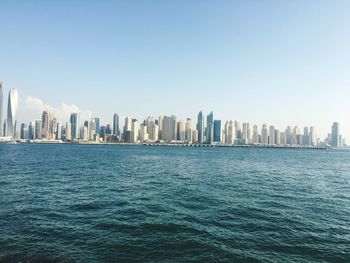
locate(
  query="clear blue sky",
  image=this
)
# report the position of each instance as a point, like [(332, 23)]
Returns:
[(274, 62)]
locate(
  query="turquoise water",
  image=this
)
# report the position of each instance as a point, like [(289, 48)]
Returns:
[(90, 203)]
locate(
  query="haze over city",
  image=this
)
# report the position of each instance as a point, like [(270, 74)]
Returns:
[(277, 63)]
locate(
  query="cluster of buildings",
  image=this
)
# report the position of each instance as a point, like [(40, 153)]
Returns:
[(164, 129)]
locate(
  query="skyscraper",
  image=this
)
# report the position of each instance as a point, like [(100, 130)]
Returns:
[(74, 121), (210, 128), (1, 110), (23, 131), (200, 127), (229, 132), (58, 133), (306, 136), (46, 119), (37, 130), (134, 130), (246, 132), (169, 132), (181, 131), (335, 142), (271, 135), (31, 131), (217, 130), (68, 131), (143, 132), (11, 122), (237, 131), (264, 135), (127, 130), (97, 124), (289, 135), (92, 129), (116, 131), (255, 134), (277, 137), (188, 130), (313, 136), (283, 138)]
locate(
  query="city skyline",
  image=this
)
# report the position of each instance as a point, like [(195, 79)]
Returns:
[(209, 130), (274, 62), (164, 128)]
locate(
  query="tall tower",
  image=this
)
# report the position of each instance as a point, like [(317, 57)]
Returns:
[(255, 134), (74, 121), (169, 132), (1, 110), (200, 127), (264, 135), (271, 135), (46, 120), (210, 128), (217, 130), (335, 135), (116, 131), (11, 124)]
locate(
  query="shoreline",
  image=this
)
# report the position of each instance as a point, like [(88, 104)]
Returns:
[(181, 145)]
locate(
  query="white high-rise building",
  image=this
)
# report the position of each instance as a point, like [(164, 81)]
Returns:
[(335, 135), (85, 133), (181, 131), (59, 131), (169, 132), (264, 135), (229, 132), (143, 132), (160, 128), (188, 131), (150, 122), (152, 131), (255, 138), (134, 130), (237, 131), (11, 122), (37, 130), (271, 135), (127, 129), (246, 132), (194, 136), (313, 136), (283, 138), (277, 137), (92, 129), (46, 120), (68, 131), (306, 136)]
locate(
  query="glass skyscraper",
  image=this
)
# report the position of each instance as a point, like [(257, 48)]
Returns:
[(335, 137), (74, 121), (11, 122), (210, 128), (217, 131), (200, 127), (116, 130)]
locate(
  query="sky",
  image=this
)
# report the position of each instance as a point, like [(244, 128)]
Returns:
[(275, 62)]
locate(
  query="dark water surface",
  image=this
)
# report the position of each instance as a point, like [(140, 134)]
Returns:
[(81, 203)]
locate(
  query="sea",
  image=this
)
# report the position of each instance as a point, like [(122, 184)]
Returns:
[(124, 203)]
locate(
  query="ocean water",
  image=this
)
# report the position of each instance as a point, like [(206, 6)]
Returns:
[(112, 203)]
